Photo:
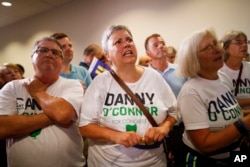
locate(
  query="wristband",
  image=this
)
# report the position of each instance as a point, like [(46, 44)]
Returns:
[(241, 127)]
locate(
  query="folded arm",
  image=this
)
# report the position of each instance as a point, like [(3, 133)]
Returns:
[(56, 108), (20, 125)]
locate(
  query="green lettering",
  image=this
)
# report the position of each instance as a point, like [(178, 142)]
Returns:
[(212, 116), (224, 113), (154, 110), (232, 113), (115, 112)]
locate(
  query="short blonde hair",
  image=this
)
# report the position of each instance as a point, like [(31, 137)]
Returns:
[(189, 65)]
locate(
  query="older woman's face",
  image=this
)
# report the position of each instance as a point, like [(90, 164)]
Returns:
[(10, 74), (121, 49), (210, 54), (238, 48)]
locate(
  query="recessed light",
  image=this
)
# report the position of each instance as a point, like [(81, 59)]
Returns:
[(6, 4)]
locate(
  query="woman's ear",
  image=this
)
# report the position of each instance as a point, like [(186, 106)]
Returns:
[(107, 56)]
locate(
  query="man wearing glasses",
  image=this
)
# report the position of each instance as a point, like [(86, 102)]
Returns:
[(39, 115)]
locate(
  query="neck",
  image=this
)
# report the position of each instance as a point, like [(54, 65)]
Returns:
[(48, 79), (129, 74), (159, 64), (209, 76), (233, 64), (66, 68)]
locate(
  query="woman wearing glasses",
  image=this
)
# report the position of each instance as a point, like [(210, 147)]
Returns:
[(235, 44), (211, 114)]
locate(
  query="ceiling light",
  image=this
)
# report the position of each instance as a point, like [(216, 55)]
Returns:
[(6, 4)]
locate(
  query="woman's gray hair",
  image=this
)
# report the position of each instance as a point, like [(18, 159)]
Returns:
[(227, 38), (109, 31), (189, 65)]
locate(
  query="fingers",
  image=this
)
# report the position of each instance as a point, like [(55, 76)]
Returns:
[(128, 139), (154, 134)]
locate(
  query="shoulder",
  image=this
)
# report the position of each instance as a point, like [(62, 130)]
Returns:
[(78, 68), (151, 76), (102, 76), (151, 73), (68, 81), (246, 64), (172, 66)]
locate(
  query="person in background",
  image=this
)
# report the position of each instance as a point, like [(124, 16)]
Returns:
[(39, 115), (94, 60), (119, 133), (9, 72), (89, 53), (22, 70), (156, 49), (171, 54), (207, 104), (69, 70), (144, 60), (235, 45), (1, 83)]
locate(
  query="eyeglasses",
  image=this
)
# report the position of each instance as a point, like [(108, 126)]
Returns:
[(44, 51), (211, 47), (239, 42)]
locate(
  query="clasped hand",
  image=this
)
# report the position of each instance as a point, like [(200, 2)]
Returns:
[(130, 138), (34, 86)]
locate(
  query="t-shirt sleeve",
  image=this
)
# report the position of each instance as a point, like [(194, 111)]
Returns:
[(8, 100)]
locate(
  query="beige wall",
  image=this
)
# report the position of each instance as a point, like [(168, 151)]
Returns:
[(85, 20)]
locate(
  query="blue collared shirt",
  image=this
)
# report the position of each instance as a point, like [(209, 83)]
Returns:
[(78, 72), (174, 81)]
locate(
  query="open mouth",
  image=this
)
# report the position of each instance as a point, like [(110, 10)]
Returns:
[(128, 53)]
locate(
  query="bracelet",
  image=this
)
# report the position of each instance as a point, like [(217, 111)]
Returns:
[(241, 127)]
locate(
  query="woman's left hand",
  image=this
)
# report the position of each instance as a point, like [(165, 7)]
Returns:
[(155, 134)]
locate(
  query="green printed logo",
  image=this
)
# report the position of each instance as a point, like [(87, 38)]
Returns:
[(131, 127), (35, 133)]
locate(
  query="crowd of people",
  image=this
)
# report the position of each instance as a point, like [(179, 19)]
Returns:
[(198, 96)]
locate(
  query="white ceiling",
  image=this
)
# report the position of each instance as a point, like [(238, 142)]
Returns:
[(22, 9)]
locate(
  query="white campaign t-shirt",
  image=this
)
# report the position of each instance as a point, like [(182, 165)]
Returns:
[(52, 145), (230, 76), (206, 104), (107, 104)]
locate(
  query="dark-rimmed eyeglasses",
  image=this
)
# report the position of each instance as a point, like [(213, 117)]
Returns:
[(240, 42), (44, 51)]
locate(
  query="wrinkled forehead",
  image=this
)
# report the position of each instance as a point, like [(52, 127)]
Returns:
[(48, 44), (155, 40)]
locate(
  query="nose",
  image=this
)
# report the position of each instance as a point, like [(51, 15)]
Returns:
[(127, 44), (49, 53)]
